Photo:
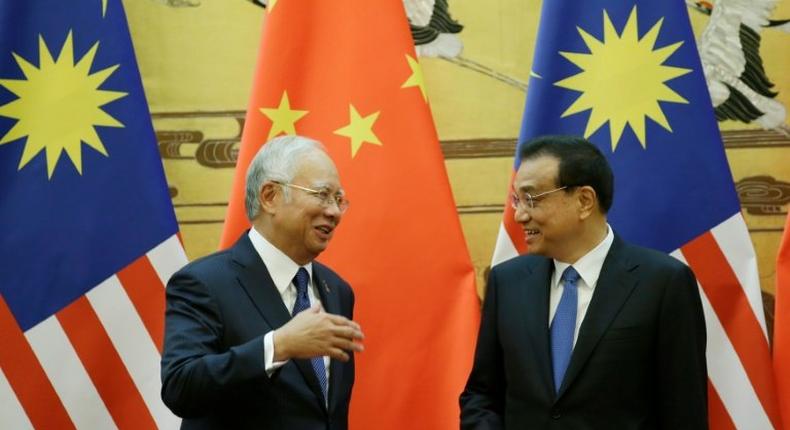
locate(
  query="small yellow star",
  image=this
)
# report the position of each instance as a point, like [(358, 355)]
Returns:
[(416, 79), (359, 129), (283, 117), (270, 5)]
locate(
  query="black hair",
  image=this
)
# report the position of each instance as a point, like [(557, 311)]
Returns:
[(581, 163)]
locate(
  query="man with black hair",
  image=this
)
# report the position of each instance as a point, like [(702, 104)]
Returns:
[(587, 331)]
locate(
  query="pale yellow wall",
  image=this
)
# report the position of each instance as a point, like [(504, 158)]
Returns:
[(195, 58)]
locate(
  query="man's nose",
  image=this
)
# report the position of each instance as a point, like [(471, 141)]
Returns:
[(332, 210), (521, 216)]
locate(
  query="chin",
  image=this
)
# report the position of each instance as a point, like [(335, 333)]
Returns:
[(317, 250), (535, 249)]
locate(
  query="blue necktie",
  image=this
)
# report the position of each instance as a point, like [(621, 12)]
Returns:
[(301, 280), (563, 326)]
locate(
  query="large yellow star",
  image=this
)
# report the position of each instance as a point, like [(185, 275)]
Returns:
[(59, 105), (416, 78), (623, 79), (359, 129), (283, 117)]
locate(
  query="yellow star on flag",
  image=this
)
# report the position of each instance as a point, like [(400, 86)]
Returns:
[(618, 101), (59, 105), (359, 129), (270, 5), (283, 117), (416, 78)]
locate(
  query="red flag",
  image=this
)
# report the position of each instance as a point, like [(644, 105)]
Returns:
[(346, 74), (782, 325)]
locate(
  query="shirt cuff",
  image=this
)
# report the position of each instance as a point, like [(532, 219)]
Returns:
[(268, 354)]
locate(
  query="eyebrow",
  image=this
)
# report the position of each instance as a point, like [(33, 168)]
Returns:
[(525, 188)]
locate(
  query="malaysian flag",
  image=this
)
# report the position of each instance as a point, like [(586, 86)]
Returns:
[(89, 236), (627, 76)]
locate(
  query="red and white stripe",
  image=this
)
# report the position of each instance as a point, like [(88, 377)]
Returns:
[(95, 363), (741, 389)]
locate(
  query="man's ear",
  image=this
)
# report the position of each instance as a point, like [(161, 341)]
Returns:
[(269, 197), (588, 201)]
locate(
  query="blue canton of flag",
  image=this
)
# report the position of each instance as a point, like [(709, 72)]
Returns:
[(89, 232), (627, 76)]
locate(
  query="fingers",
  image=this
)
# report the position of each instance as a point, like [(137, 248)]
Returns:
[(314, 333), (343, 321), (338, 354), (348, 345), (342, 353), (343, 338), (347, 333), (355, 347)]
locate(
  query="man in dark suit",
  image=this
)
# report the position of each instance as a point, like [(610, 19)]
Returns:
[(261, 335), (587, 332)]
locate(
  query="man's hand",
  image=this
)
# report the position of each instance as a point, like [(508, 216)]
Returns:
[(315, 333)]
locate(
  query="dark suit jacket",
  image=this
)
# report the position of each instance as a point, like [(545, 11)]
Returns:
[(638, 362), (218, 310)]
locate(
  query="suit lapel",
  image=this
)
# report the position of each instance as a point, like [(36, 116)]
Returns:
[(535, 299), (331, 303), (614, 286), (258, 284), (327, 292)]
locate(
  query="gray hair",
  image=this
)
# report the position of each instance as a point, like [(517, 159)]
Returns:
[(277, 160)]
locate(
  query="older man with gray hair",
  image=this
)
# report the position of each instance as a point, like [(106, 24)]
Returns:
[(261, 335)]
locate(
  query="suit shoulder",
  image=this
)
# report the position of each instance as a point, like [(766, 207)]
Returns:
[(206, 266), (653, 258), (517, 263)]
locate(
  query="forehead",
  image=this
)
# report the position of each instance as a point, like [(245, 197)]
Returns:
[(537, 173), (317, 169)]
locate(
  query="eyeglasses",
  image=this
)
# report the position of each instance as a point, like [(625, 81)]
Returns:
[(327, 198), (528, 200)]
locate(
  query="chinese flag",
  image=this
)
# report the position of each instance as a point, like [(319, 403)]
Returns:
[(345, 73), (782, 325)]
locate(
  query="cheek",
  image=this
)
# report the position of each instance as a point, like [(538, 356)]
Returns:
[(543, 217), (551, 221)]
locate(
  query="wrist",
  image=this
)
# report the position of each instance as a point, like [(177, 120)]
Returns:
[(280, 343)]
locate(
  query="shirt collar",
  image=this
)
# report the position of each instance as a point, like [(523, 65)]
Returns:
[(281, 268), (590, 265)]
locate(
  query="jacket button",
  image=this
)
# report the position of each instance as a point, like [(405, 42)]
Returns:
[(555, 414)]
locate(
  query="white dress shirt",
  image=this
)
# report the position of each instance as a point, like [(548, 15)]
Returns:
[(589, 269), (282, 270)]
